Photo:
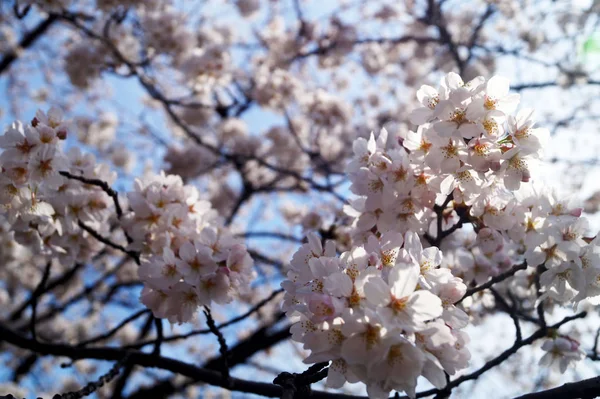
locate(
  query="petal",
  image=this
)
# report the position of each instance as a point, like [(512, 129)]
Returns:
[(187, 251), (354, 349), (403, 280), (445, 128), (447, 185), (433, 255), (314, 243), (426, 305), (426, 92), (470, 130), (377, 291), (420, 116), (412, 243), (497, 87)]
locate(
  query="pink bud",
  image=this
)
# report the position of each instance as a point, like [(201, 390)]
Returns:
[(576, 212), (373, 259)]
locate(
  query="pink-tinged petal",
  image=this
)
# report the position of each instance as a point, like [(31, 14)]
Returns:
[(475, 110), (426, 306), (454, 81), (434, 373), (412, 243), (445, 128), (470, 130), (563, 364), (377, 291), (187, 251), (512, 179), (459, 96), (366, 221), (536, 257), (447, 185), (403, 280), (546, 360), (339, 284), (433, 255), (315, 243), (168, 255), (354, 349), (420, 116), (335, 374), (455, 317), (360, 147), (382, 139), (372, 144), (425, 93), (391, 240), (498, 87)]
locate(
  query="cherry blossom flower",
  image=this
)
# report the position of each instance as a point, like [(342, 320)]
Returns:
[(561, 353)]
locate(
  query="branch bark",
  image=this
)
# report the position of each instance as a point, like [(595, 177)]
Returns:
[(28, 40)]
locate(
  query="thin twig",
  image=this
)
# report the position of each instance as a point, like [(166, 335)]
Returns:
[(222, 343), (35, 296), (99, 183), (133, 254), (494, 280), (228, 323), (114, 330)]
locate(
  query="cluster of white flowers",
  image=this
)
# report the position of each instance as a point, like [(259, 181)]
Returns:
[(84, 61), (276, 88), (208, 67), (166, 31), (383, 312), (327, 110), (467, 144), (43, 207), (191, 259), (188, 258), (189, 160), (477, 256)]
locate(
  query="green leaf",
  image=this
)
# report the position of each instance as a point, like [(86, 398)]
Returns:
[(592, 45)]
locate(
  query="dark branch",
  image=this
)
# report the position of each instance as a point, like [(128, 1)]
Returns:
[(28, 40)]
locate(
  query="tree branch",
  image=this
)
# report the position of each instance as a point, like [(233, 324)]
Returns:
[(28, 40)]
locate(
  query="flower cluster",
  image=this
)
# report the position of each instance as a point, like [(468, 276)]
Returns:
[(382, 312), (469, 149), (165, 31), (43, 207), (57, 205), (190, 258), (387, 303)]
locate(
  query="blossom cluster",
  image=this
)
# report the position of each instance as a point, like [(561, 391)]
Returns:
[(387, 303), (43, 207), (469, 146), (190, 259), (382, 312), (55, 204)]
